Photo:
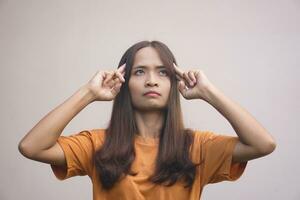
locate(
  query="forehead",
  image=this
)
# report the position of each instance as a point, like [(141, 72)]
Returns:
[(147, 56)]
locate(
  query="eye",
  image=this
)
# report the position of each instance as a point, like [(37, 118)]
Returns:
[(137, 71), (164, 72)]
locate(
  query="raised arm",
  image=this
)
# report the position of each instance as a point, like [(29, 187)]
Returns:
[(40, 143), (254, 140)]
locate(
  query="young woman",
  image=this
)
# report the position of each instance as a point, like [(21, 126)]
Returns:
[(146, 152)]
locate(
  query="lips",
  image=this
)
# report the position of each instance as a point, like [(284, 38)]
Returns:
[(152, 92)]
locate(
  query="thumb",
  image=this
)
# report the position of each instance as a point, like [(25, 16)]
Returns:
[(181, 87), (116, 89)]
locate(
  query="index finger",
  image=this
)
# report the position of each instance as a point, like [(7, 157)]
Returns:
[(121, 68), (178, 70)]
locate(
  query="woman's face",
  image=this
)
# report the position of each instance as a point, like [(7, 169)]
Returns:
[(149, 74)]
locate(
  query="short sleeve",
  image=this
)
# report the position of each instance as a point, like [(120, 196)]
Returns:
[(217, 151), (78, 149)]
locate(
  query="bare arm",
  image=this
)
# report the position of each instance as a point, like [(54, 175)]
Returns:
[(254, 140), (40, 143), (45, 133)]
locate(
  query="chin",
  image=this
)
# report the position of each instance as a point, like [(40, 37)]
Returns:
[(150, 107)]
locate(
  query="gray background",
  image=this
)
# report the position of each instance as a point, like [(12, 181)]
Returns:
[(248, 49)]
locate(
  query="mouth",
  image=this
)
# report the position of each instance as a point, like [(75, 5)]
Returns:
[(152, 93)]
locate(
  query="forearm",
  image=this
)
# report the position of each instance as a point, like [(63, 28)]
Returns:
[(249, 130), (46, 132)]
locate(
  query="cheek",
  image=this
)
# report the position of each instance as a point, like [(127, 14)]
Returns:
[(168, 85), (133, 87)]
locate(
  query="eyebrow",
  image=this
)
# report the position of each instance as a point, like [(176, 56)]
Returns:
[(143, 67)]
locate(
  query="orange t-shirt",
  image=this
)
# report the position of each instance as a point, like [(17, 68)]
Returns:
[(215, 149)]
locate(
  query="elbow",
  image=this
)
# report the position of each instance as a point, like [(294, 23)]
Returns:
[(21, 148), (24, 150), (268, 148)]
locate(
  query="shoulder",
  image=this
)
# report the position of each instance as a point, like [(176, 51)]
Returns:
[(97, 135), (203, 136), (202, 139), (94, 137), (97, 132)]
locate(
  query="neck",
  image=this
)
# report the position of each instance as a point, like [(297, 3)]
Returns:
[(149, 123)]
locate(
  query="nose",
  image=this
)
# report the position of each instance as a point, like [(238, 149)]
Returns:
[(151, 80)]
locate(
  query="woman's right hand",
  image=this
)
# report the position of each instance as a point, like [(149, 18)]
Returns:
[(105, 85)]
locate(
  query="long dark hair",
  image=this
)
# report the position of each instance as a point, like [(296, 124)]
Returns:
[(113, 160)]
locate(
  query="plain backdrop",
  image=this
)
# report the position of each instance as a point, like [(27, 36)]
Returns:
[(249, 49)]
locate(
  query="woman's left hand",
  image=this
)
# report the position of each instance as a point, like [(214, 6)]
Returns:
[(193, 84)]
